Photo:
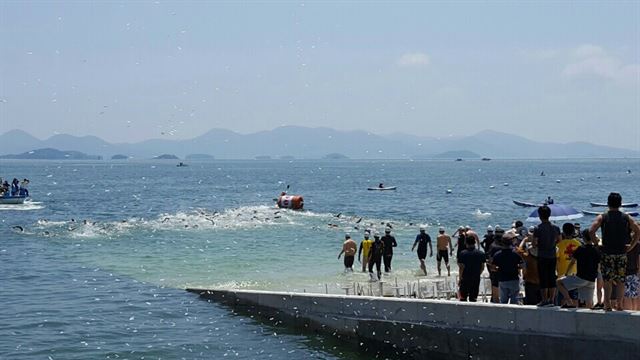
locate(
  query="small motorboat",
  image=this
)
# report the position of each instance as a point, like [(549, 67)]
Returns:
[(524, 204), (13, 200), (627, 205), (595, 213), (182, 164), (382, 188), (486, 159)]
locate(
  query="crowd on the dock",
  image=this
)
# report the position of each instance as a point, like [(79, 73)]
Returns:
[(15, 188), (558, 266)]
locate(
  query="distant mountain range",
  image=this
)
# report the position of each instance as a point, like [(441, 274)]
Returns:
[(315, 143)]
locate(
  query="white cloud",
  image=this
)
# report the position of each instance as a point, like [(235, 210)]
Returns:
[(414, 59), (594, 61)]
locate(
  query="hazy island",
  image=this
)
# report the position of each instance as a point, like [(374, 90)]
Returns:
[(52, 154), (166, 157), (335, 156)]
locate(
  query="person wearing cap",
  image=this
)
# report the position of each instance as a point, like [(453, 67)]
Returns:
[(375, 255), (349, 248), (508, 263), (471, 262), (389, 243), (365, 246), (487, 240), (422, 240), (444, 247), (460, 243), (578, 232), (496, 246)]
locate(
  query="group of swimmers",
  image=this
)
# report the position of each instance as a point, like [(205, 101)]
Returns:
[(572, 261), (16, 188)]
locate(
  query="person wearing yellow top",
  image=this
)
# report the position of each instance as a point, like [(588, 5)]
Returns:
[(565, 249), (365, 246)]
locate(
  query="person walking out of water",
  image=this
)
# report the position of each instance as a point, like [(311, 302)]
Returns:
[(443, 243), (364, 250), (460, 243), (616, 229), (488, 240), (422, 240), (508, 264), (471, 262), (389, 243), (349, 248), (545, 237), (375, 255)]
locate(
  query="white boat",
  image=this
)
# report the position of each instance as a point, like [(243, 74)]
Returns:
[(12, 200), (628, 205), (382, 188)]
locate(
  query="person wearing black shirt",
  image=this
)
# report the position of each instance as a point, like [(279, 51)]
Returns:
[(471, 262), (508, 264), (389, 243), (375, 255), (545, 237), (488, 240), (422, 240), (587, 257)]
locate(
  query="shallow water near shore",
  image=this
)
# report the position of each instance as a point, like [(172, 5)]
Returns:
[(112, 286)]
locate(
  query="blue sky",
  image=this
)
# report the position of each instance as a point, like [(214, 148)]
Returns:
[(557, 71)]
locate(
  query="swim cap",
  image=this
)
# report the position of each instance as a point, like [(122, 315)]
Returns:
[(422, 228), (489, 228), (441, 229), (376, 234), (460, 227), (467, 227), (387, 230), (347, 236)]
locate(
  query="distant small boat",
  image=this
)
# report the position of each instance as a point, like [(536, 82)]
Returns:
[(628, 205), (524, 204), (586, 212), (182, 164), (486, 159), (12, 200), (382, 188), (458, 159)]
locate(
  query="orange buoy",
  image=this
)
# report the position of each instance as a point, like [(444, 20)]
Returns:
[(294, 202)]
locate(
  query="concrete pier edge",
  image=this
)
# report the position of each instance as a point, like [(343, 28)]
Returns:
[(446, 329)]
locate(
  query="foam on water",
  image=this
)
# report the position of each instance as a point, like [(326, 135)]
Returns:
[(26, 206)]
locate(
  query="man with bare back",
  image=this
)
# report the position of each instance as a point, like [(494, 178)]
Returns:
[(445, 248)]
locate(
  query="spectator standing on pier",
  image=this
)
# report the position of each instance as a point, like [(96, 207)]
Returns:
[(471, 263), (508, 264), (545, 237), (587, 258), (616, 234)]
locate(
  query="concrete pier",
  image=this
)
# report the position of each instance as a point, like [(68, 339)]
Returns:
[(417, 328)]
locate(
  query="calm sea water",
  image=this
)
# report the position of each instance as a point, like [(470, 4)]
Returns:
[(113, 287)]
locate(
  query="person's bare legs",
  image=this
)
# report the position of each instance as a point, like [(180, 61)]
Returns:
[(620, 297), (608, 284), (423, 267), (439, 272), (599, 290)]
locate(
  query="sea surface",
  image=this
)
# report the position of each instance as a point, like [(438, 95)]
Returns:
[(95, 266)]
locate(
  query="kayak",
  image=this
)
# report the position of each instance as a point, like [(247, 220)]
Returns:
[(628, 205), (586, 212), (524, 204), (382, 188), (13, 200)]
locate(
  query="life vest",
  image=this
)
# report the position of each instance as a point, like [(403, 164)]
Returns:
[(295, 202)]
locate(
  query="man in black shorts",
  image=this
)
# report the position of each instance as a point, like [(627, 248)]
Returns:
[(443, 243), (422, 240), (545, 237)]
